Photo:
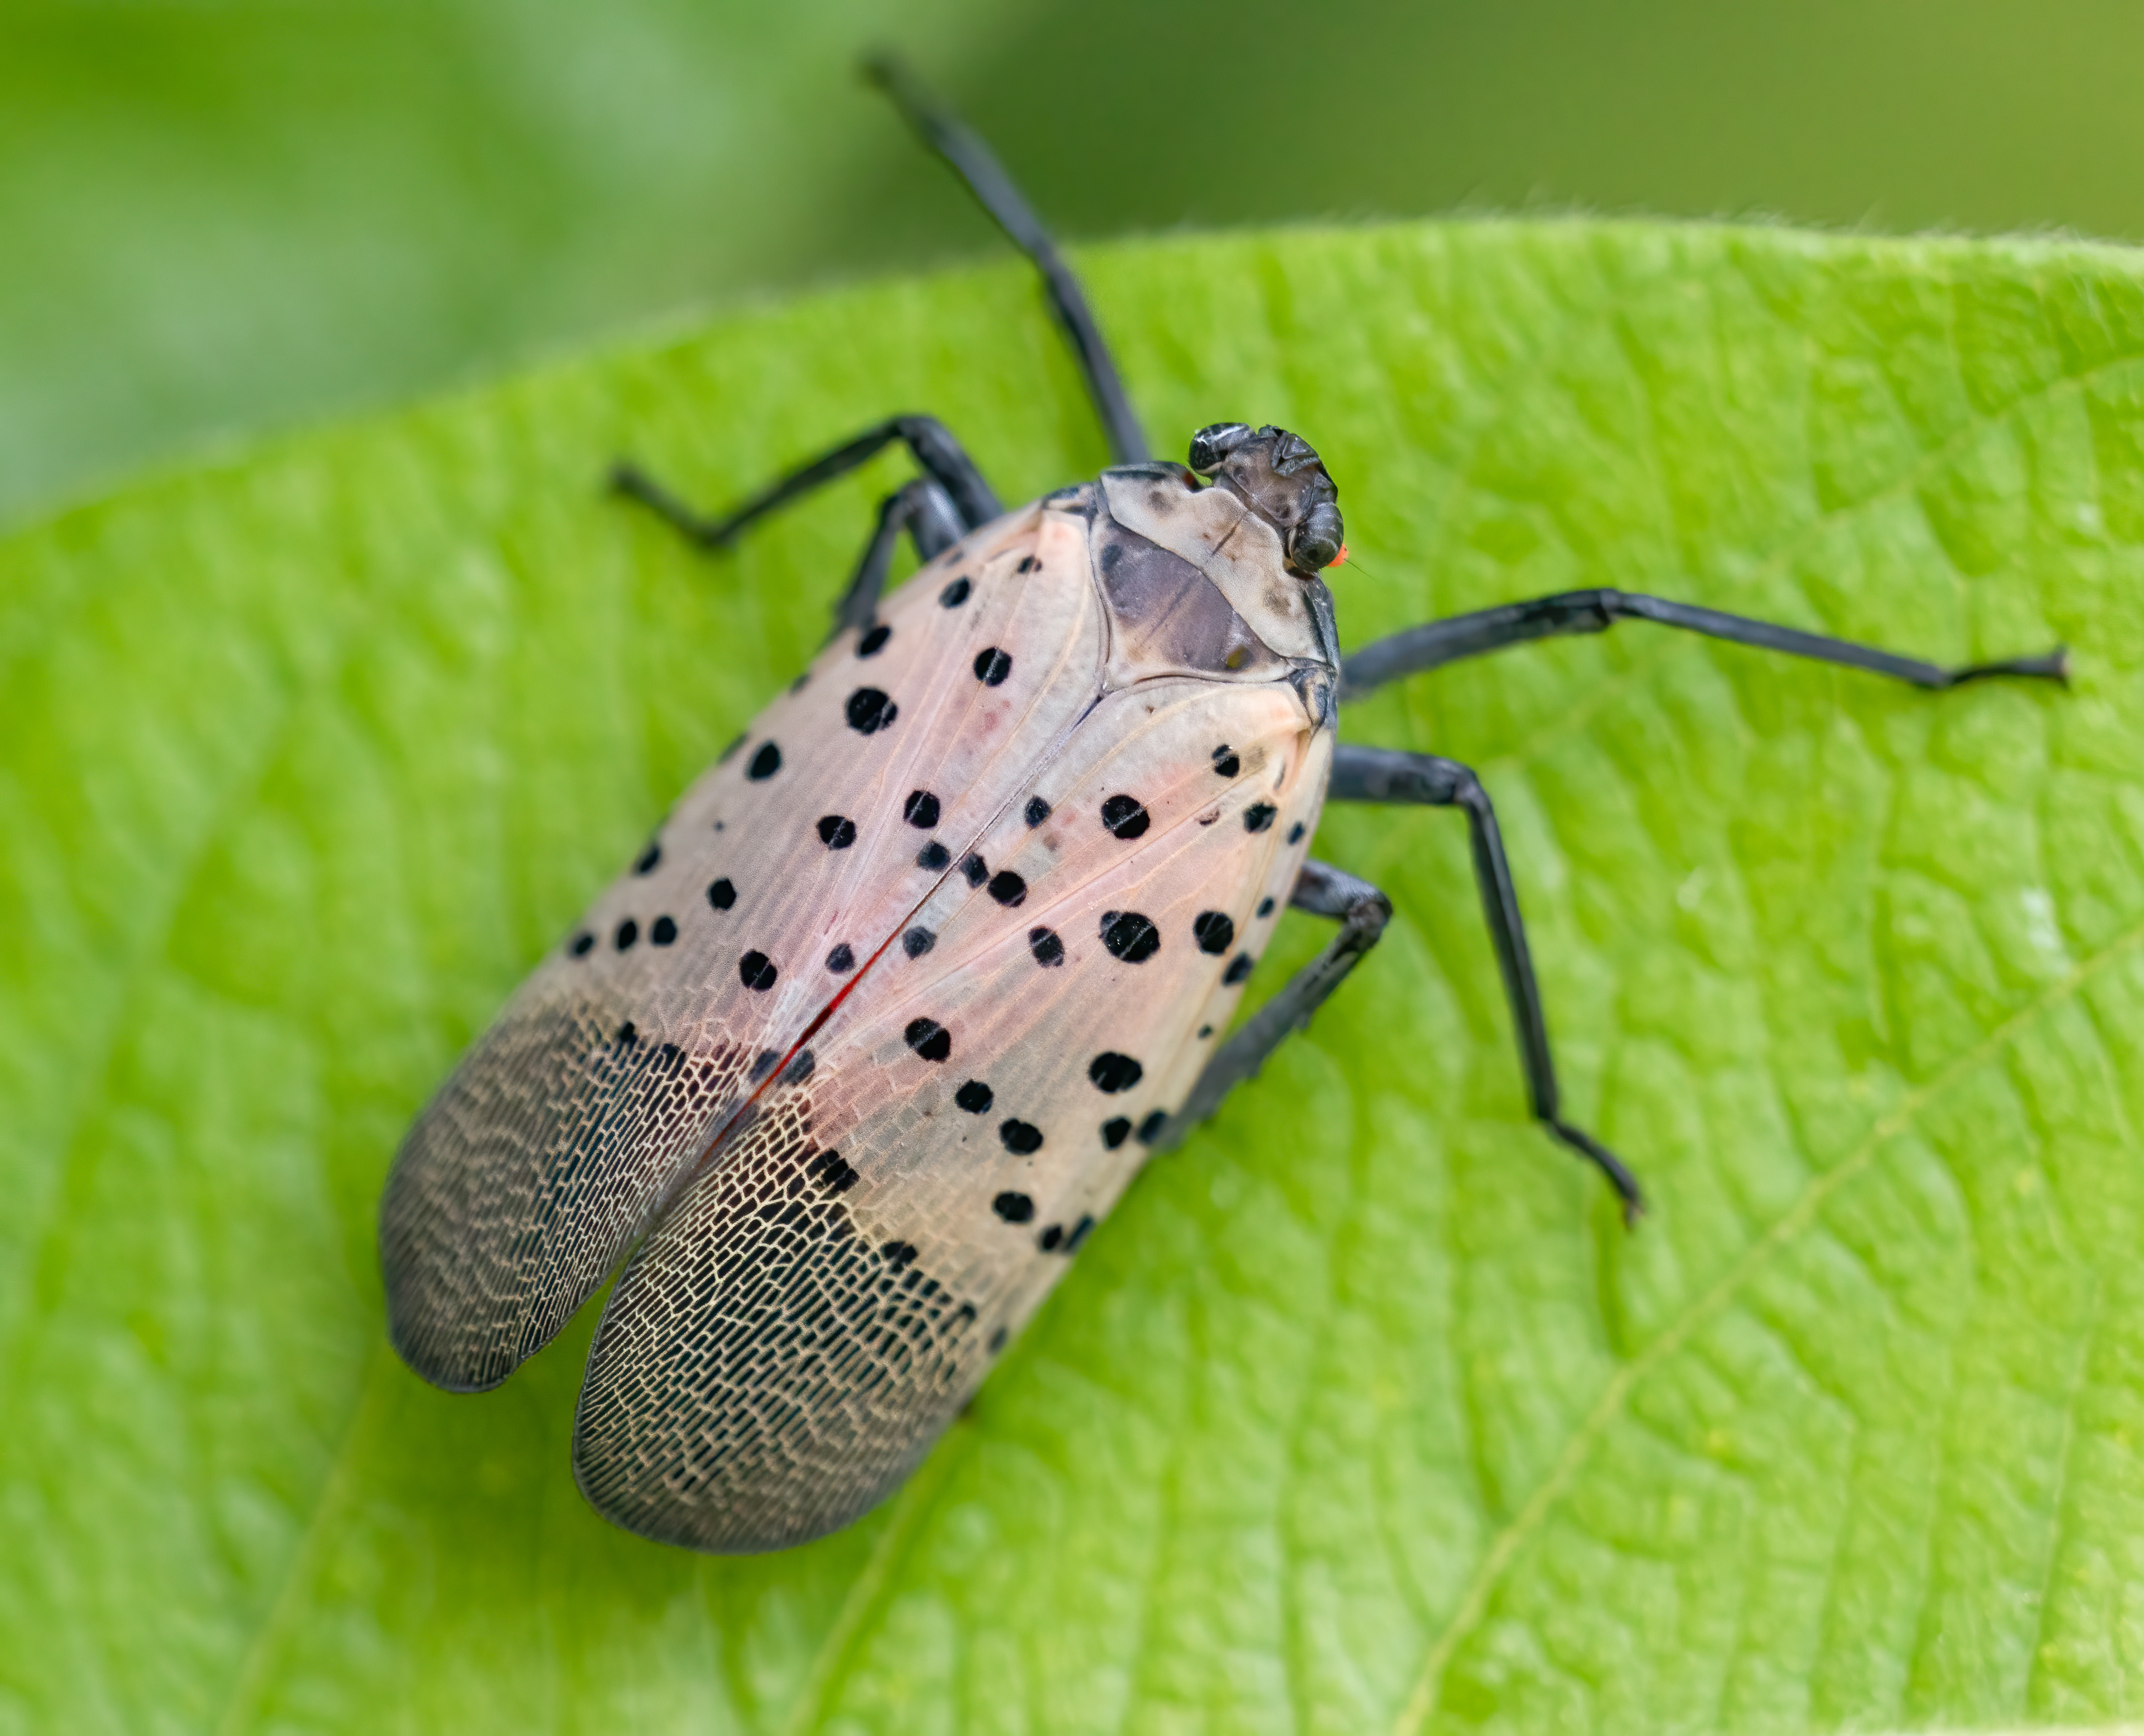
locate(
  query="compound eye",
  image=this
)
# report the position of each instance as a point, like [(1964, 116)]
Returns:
[(1318, 539), (1211, 444)]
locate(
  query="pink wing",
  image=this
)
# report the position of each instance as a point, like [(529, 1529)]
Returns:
[(828, 1292), (766, 893)]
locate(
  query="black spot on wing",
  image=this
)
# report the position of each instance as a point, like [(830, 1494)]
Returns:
[(1126, 816), (1037, 810), (837, 832), (1149, 1129), (1265, 907), (1129, 936), (1028, 564), (933, 856), (1239, 967), (663, 931), (869, 710), (1047, 946), (920, 809), (765, 763), (1258, 816), (722, 894), (625, 934), (955, 594), (975, 1096), (757, 972), (1225, 761), (1113, 1072), (874, 642), (929, 1038), (1020, 1137), (581, 944), (831, 1172), (1015, 1208), (648, 858), (918, 941), (841, 960), (1295, 832), (1115, 1131), (974, 867), (992, 666), (1008, 888), (1213, 931)]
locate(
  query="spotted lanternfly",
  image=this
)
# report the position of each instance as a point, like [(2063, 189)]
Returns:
[(868, 1038)]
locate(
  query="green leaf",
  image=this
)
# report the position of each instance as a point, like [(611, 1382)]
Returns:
[(1362, 1412)]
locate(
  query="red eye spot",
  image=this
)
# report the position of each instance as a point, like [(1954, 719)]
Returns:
[(1338, 558)]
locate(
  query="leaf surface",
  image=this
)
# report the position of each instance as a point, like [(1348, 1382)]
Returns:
[(1362, 1412)]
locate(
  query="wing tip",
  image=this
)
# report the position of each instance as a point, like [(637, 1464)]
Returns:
[(763, 1525), (441, 1358)]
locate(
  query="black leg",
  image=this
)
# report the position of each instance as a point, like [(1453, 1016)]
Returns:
[(1387, 775), (974, 163), (921, 509), (1595, 611), (1322, 890), (944, 460)]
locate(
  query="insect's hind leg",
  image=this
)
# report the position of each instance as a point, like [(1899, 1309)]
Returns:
[(944, 461), (1387, 774), (1323, 890), (1484, 630)]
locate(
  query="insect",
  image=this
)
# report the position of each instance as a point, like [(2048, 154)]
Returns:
[(852, 1060)]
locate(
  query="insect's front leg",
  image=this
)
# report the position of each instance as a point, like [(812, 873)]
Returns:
[(1389, 774)]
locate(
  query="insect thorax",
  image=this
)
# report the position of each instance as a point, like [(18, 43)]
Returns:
[(1193, 583)]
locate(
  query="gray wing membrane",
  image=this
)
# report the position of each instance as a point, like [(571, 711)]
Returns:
[(769, 1372), (531, 1173)]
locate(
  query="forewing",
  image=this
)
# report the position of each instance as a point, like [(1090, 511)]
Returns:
[(799, 1328), (774, 882)]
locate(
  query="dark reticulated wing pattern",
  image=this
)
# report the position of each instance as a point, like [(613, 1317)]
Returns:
[(741, 1402), (783, 870), (820, 1302), (529, 1171)]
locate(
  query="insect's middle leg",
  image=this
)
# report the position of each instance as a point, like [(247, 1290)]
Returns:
[(1483, 630), (1387, 774)]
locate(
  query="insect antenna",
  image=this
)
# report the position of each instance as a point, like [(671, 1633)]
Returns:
[(975, 163)]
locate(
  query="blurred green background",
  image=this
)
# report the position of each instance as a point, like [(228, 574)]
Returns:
[(223, 218)]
